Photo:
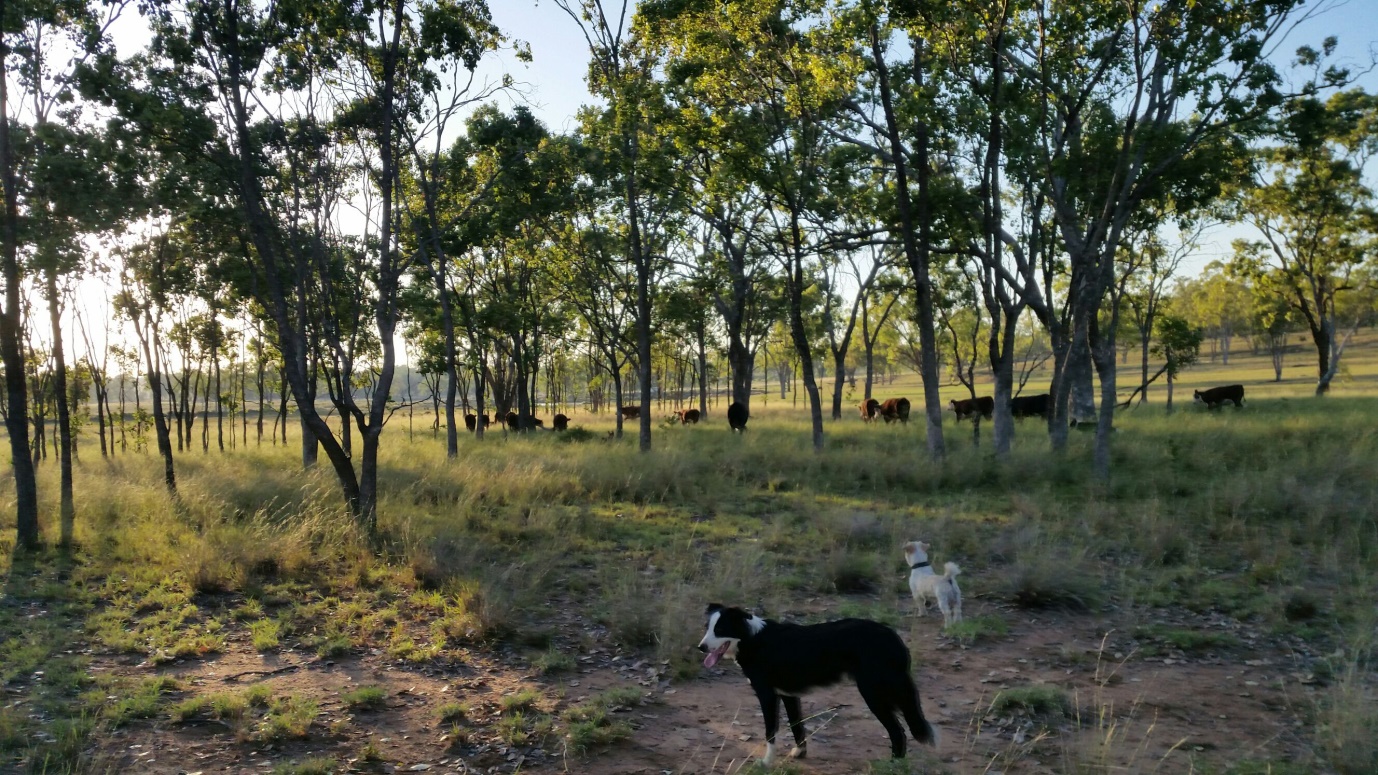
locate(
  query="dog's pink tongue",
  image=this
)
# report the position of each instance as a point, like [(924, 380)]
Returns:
[(715, 655)]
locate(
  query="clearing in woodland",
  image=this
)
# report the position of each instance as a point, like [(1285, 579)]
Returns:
[(534, 605)]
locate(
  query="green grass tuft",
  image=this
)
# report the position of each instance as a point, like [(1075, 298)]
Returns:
[(1046, 701), (365, 698)]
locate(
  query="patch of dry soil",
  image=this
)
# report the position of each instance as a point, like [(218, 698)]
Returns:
[(1132, 713)]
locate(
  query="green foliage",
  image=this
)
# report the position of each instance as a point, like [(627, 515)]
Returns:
[(1178, 343)]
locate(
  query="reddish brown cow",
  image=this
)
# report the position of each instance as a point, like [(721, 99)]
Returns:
[(970, 407), (895, 409), (869, 409), (631, 412), (687, 416)]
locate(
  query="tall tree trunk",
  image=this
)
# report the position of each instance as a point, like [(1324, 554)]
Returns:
[(1080, 370), (1144, 347), (703, 373), (1002, 364), (915, 225), (219, 396), (261, 379), (839, 366), (11, 332), (64, 416), (149, 341), (795, 272)]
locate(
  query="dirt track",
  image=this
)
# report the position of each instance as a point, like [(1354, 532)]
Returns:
[(1158, 713)]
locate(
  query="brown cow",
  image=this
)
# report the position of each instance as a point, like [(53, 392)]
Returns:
[(560, 423), (895, 409), (869, 409), (687, 416), (970, 407), (472, 421), (631, 412)]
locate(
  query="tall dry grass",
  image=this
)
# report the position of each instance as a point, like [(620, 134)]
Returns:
[(1268, 514)]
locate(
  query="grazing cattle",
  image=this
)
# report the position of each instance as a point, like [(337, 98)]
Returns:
[(513, 420), (537, 422), (472, 421), (970, 407), (895, 409), (560, 423), (869, 409), (1217, 396), (631, 412), (1029, 406), (687, 416), (737, 415)]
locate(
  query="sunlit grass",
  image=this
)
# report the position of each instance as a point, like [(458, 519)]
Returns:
[(1206, 511)]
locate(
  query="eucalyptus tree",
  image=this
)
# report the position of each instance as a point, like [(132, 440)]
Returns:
[(854, 270), (1145, 285), (447, 221), (621, 73), (235, 77), (43, 46), (1315, 212), (146, 278), (876, 306), (760, 56), (890, 113), (79, 184), (687, 315), (592, 277), (98, 364), (993, 212), (1132, 100), (715, 151)]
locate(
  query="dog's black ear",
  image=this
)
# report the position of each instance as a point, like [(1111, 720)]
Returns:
[(713, 608)]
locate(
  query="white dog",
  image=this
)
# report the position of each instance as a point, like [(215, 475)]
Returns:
[(924, 583)]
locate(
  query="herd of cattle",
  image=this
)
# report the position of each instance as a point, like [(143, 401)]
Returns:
[(892, 410), (737, 415)]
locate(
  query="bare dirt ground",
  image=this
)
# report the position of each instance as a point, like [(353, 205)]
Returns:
[(1172, 712)]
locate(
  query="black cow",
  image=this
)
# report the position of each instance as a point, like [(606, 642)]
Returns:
[(1217, 396), (513, 420), (737, 415), (1029, 406), (969, 407), (630, 412), (560, 423), (472, 421), (687, 416)]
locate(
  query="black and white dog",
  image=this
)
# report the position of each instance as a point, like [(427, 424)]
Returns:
[(783, 661)]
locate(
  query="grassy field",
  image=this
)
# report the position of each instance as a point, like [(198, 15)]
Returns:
[(531, 569)]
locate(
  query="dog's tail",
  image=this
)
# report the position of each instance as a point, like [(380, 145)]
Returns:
[(950, 571), (923, 731)]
